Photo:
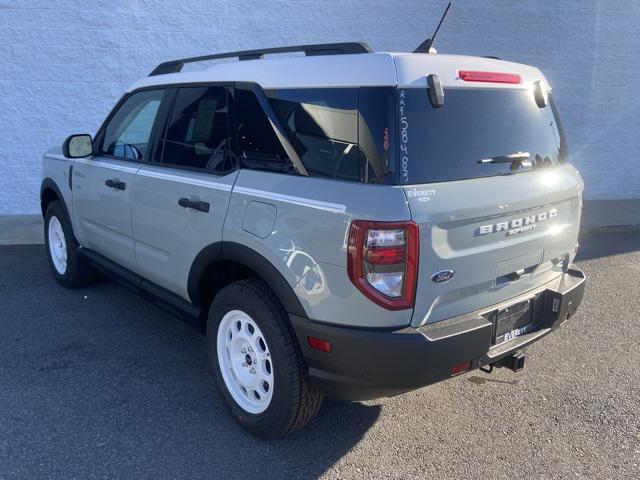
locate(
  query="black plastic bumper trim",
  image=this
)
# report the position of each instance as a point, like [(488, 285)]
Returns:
[(372, 363)]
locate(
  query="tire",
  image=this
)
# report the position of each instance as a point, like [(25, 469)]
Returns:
[(69, 269), (247, 313)]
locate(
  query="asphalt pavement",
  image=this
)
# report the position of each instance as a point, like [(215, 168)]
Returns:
[(98, 383)]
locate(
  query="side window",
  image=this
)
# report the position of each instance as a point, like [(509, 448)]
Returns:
[(127, 133), (259, 146), (322, 125), (197, 135)]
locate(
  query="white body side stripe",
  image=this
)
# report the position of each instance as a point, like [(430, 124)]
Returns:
[(184, 179), (305, 202), (111, 166)]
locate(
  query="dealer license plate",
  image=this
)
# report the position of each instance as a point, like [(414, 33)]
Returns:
[(513, 321)]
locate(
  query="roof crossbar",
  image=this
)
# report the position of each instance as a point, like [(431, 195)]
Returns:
[(175, 66)]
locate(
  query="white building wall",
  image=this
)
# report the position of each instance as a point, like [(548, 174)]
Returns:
[(64, 63)]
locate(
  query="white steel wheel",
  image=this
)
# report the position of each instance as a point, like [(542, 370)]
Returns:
[(57, 245), (245, 362)]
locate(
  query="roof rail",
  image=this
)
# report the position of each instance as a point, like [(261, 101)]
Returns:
[(175, 66)]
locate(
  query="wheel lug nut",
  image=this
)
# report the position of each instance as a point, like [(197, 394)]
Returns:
[(243, 350), (244, 364), (250, 349), (253, 370)]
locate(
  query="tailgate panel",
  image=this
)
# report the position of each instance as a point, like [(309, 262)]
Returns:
[(502, 236)]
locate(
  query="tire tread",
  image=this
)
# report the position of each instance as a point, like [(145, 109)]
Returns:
[(78, 273), (305, 401)]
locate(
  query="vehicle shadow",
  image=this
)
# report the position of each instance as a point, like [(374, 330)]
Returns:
[(478, 380), (98, 382)]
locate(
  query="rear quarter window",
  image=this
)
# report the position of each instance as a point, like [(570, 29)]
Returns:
[(340, 133), (322, 125)]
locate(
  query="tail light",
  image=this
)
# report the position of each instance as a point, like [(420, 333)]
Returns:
[(382, 260), (491, 77)]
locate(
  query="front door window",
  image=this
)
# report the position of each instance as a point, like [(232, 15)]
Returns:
[(128, 132)]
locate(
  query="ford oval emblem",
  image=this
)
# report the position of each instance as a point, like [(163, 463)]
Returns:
[(442, 276)]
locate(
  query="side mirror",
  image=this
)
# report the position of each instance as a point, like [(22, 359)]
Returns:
[(77, 146)]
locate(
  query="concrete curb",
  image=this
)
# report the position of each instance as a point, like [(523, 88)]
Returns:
[(597, 216), (21, 230)]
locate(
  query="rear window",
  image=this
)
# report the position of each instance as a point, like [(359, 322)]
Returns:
[(447, 143)]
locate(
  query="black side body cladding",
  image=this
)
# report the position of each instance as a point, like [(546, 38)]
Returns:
[(163, 298), (190, 312), (230, 251), (49, 184), (269, 274), (208, 255), (175, 66)]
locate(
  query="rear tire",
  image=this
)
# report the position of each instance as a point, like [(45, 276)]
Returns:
[(69, 269), (257, 363)]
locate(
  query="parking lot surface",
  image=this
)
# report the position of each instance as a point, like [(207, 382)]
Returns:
[(98, 383)]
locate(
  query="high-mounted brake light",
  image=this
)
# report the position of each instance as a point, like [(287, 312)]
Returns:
[(491, 77), (382, 260)]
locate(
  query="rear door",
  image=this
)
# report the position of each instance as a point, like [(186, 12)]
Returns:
[(180, 200), (489, 231), (102, 183)]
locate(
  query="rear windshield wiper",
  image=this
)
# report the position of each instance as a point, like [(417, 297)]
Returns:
[(516, 159)]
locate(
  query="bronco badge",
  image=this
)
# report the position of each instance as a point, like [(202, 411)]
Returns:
[(519, 225)]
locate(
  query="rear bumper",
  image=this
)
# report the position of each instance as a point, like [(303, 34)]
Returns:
[(372, 363)]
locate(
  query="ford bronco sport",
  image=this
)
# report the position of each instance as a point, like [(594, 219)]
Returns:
[(342, 223)]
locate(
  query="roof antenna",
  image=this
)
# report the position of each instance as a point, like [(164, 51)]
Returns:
[(425, 47)]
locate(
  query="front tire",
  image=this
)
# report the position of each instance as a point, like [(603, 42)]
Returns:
[(68, 268), (257, 363)]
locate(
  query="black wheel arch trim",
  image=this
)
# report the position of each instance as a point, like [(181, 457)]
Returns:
[(236, 252), (49, 183)]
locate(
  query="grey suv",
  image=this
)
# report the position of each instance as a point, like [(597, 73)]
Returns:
[(342, 223)]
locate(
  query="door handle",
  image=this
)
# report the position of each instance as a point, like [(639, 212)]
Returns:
[(195, 204), (117, 184)]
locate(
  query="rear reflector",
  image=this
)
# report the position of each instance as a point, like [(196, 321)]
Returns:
[(458, 369), (491, 77), (319, 344)]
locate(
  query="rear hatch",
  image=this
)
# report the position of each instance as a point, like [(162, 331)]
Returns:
[(488, 231)]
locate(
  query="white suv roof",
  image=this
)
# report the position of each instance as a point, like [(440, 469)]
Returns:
[(344, 70)]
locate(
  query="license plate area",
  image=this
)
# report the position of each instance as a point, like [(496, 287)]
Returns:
[(513, 321)]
